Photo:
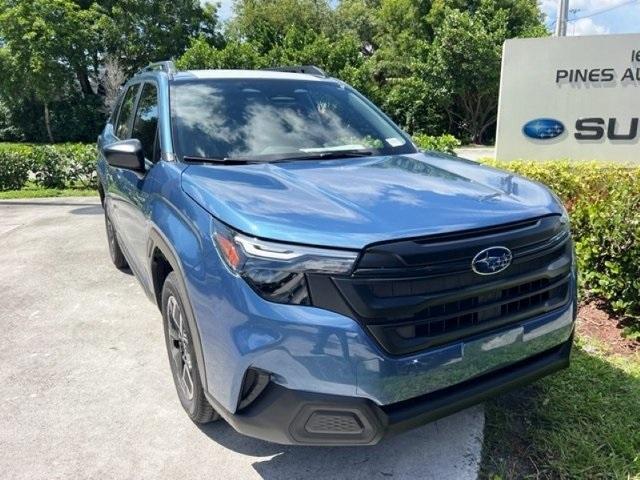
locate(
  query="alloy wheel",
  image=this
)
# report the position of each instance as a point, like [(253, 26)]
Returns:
[(180, 350)]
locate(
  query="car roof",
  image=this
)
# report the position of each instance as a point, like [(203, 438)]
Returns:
[(245, 74)]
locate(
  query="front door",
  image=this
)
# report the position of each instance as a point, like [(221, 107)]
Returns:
[(133, 189)]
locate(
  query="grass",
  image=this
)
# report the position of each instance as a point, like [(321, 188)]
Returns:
[(31, 190), (581, 423)]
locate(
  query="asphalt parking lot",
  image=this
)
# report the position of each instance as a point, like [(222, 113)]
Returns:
[(85, 386)]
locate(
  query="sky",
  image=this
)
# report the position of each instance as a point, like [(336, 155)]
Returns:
[(587, 17), (597, 17), (225, 9)]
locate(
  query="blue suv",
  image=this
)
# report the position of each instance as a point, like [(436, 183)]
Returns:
[(321, 280)]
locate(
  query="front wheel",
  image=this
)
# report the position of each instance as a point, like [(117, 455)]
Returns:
[(182, 356)]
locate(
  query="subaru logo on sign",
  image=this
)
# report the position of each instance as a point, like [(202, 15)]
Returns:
[(491, 260), (543, 129)]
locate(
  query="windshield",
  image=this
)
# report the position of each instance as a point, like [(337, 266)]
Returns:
[(270, 119)]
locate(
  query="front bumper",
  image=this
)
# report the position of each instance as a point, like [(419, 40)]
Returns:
[(286, 416)]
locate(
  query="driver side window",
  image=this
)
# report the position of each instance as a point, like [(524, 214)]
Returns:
[(123, 124), (145, 124)]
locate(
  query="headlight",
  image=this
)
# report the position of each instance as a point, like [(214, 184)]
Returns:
[(276, 271)]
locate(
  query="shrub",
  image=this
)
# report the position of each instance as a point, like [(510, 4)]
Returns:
[(14, 171), (51, 166), (603, 201), (81, 161), (444, 143)]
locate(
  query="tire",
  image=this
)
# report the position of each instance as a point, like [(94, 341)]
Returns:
[(182, 357), (115, 252)]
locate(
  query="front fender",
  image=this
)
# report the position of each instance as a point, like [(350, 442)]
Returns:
[(170, 235)]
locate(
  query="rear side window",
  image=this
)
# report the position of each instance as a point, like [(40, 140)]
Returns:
[(126, 112), (146, 121)]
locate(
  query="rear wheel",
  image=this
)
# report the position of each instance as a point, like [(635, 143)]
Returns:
[(182, 356), (117, 257)]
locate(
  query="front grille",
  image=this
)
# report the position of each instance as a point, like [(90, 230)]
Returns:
[(445, 322), (422, 293)]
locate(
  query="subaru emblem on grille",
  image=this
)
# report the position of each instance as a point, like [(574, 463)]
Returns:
[(491, 260)]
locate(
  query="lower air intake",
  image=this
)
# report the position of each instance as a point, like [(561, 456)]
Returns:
[(333, 422)]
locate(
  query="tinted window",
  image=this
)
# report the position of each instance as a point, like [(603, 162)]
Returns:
[(146, 121), (126, 111), (227, 118)]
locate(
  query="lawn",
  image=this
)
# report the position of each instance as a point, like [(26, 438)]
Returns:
[(31, 190), (581, 423)]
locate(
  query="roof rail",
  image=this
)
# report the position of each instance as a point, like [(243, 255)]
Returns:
[(166, 66), (308, 69)]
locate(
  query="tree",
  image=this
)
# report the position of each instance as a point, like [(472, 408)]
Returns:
[(521, 18), (265, 23), (433, 65), (51, 42), (113, 77), (142, 31), (235, 54), (58, 51), (359, 18), (465, 57)]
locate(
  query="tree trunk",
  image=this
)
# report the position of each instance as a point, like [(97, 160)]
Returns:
[(83, 79), (47, 122)]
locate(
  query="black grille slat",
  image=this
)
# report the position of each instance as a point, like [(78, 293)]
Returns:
[(446, 311), (424, 335)]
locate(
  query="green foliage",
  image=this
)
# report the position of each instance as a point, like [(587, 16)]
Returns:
[(265, 23), (433, 65), (14, 170), (51, 166), (465, 57), (140, 32), (81, 161), (53, 53), (202, 55), (608, 246), (604, 204), (443, 143)]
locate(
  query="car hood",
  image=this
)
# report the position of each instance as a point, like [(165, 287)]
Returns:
[(351, 202)]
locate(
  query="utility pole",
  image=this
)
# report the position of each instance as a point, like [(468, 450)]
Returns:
[(561, 20)]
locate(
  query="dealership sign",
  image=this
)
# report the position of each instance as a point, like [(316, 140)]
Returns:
[(571, 97)]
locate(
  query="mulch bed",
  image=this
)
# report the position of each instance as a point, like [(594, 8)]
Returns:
[(595, 322)]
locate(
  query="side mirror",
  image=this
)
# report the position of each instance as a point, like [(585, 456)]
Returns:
[(126, 154)]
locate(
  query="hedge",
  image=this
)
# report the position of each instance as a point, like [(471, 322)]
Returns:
[(443, 143), (49, 166), (603, 201)]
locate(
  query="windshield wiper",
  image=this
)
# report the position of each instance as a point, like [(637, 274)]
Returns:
[(274, 158), (221, 161), (327, 155)]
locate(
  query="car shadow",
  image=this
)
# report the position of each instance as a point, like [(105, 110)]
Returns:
[(447, 448), (92, 210)]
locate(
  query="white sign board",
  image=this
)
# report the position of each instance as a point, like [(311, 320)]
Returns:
[(572, 97)]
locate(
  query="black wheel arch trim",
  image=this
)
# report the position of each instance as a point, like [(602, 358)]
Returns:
[(158, 240)]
